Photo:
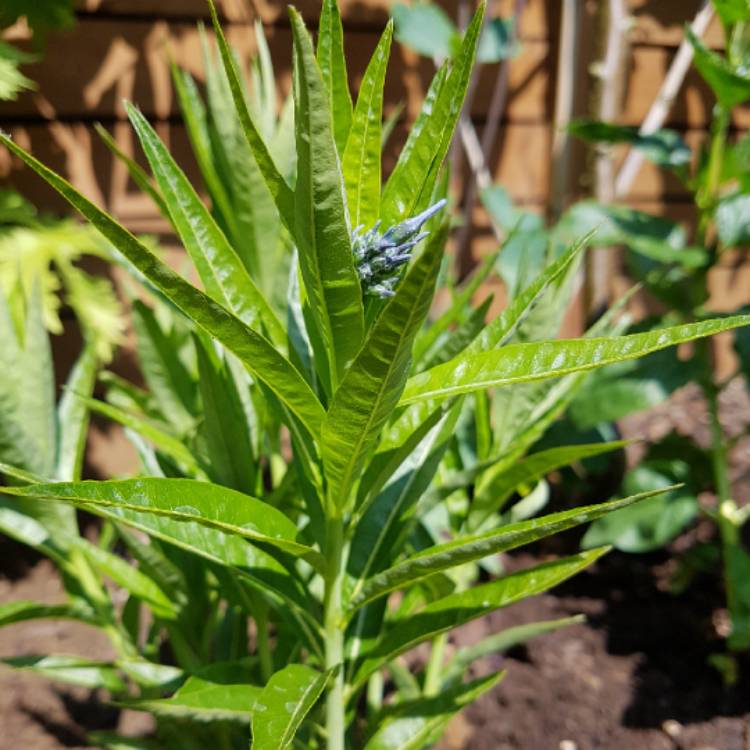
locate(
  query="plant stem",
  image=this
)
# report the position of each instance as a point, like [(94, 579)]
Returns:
[(707, 195), (261, 641), (433, 676), (334, 635)]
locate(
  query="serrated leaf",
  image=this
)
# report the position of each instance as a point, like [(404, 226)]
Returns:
[(253, 350), (459, 608), (361, 160), (371, 388), (283, 704), (471, 548), (322, 233), (520, 363)]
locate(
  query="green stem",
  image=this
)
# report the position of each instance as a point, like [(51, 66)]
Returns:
[(433, 675), (262, 644), (706, 196), (334, 635)]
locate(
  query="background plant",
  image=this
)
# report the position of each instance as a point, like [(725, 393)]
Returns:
[(292, 480), (675, 268)]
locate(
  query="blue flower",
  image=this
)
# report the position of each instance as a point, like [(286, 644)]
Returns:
[(378, 257)]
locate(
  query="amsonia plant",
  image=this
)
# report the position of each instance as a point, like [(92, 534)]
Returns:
[(298, 465)]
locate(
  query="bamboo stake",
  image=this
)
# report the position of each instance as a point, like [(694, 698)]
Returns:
[(662, 105), (567, 64)]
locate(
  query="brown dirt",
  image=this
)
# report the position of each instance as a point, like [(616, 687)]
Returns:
[(635, 676)]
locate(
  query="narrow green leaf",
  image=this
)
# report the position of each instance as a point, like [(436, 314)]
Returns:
[(222, 272), (332, 62), (322, 231), (23, 611), (137, 173), (373, 383), (361, 161), (471, 548), (503, 641), (501, 329), (166, 375), (410, 185), (730, 85), (206, 504), (72, 415), (129, 578), (74, 670), (253, 350), (282, 194), (196, 123), (458, 311), (500, 481), (207, 697), (228, 442), (163, 441), (520, 363), (283, 704), (413, 725), (459, 608)]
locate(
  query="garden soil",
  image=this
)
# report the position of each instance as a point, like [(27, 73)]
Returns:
[(634, 676)]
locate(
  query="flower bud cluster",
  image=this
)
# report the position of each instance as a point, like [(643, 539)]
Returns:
[(379, 257)]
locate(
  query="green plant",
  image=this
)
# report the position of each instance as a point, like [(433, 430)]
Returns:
[(676, 268), (40, 17), (322, 432)]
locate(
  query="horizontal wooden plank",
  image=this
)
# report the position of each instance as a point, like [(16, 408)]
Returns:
[(374, 13), (117, 61)]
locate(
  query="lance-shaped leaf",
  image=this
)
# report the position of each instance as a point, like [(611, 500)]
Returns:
[(283, 704), (282, 194), (162, 441), (332, 63), (413, 725), (500, 481), (221, 692), (73, 416), (361, 161), (503, 641), (471, 548), (464, 606), (253, 350), (137, 173), (371, 388), (129, 578), (502, 328), (206, 504), (222, 272), (74, 670), (322, 228), (730, 84), (410, 185), (520, 363), (23, 611)]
